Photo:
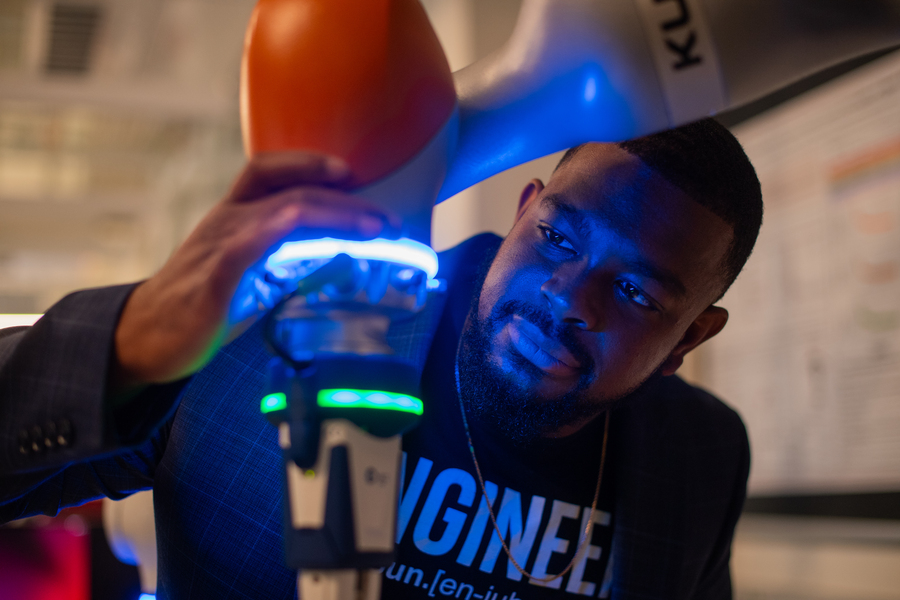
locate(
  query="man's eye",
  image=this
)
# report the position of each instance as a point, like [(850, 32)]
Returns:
[(634, 294), (557, 239)]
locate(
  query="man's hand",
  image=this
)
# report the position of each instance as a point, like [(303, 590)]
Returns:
[(174, 322)]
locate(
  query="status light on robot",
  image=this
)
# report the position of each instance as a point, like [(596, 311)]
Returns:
[(273, 402), (344, 398), (403, 251)]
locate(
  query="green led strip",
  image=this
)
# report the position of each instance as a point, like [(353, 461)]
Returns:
[(346, 398), (273, 402)]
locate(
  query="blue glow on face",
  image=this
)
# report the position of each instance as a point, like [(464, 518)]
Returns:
[(403, 251)]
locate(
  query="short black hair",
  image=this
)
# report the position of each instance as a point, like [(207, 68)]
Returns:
[(707, 163)]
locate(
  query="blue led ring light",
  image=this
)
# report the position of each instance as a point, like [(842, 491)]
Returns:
[(403, 251)]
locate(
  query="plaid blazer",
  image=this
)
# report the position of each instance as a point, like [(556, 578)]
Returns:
[(681, 456)]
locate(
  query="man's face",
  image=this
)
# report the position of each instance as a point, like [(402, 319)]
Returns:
[(606, 277)]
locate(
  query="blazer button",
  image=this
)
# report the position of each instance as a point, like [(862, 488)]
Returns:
[(24, 442), (37, 439), (65, 432), (50, 435)]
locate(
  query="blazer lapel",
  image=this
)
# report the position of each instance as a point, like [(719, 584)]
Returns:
[(650, 526)]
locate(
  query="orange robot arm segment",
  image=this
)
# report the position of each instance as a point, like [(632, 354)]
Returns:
[(365, 81)]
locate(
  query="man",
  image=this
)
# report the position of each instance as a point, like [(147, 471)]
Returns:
[(607, 279)]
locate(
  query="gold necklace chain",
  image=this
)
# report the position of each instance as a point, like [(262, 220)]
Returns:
[(589, 528)]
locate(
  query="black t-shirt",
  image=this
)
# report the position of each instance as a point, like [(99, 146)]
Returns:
[(447, 546)]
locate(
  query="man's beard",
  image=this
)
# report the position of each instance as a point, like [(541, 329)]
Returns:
[(500, 401), (493, 398)]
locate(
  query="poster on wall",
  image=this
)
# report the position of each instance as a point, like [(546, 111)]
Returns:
[(811, 353)]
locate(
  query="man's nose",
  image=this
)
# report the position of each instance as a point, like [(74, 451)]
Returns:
[(571, 300)]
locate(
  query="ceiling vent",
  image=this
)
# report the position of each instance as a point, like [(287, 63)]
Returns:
[(11, 20), (73, 28)]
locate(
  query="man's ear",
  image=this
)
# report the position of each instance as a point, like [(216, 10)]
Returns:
[(709, 323), (531, 191)]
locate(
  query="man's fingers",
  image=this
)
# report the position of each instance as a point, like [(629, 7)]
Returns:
[(268, 173), (305, 213), (297, 190), (322, 208), (313, 218)]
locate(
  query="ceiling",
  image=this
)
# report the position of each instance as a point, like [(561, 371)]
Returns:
[(119, 129)]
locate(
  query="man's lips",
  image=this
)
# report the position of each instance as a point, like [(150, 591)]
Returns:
[(543, 352)]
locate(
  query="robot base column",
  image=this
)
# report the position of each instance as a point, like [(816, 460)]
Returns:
[(340, 584)]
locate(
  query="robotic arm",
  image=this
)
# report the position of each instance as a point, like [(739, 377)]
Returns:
[(581, 70)]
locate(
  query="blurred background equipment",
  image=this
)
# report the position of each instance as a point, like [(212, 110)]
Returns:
[(118, 129), (811, 357), (46, 560), (131, 533), (66, 557), (811, 354)]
